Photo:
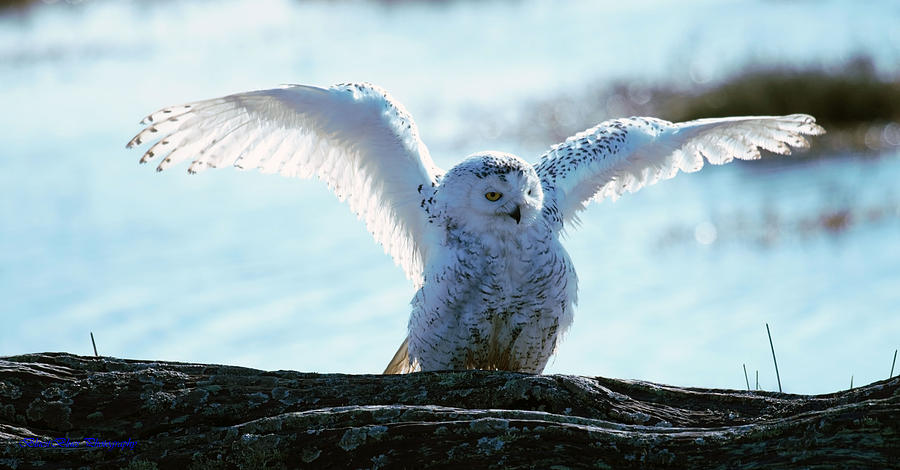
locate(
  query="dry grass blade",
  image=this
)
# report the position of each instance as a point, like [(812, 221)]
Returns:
[(777, 375)]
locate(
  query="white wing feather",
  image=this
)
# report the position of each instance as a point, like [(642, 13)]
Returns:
[(627, 154), (364, 145)]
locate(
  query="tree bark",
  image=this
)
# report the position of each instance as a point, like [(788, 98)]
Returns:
[(177, 415)]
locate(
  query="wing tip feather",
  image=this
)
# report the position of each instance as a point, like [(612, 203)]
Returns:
[(135, 141), (808, 124), (165, 164)]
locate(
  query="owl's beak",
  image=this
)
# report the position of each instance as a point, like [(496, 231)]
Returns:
[(516, 214)]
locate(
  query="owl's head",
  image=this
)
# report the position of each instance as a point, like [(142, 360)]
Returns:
[(491, 191)]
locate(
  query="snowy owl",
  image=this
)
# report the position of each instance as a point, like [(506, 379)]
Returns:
[(481, 242)]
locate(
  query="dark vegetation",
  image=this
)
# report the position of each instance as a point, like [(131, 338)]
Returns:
[(859, 108), (844, 97), (4, 4)]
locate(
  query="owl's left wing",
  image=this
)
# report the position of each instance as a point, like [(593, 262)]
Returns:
[(355, 137), (627, 154)]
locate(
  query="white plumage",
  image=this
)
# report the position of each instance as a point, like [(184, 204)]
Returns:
[(354, 137), (481, 243)]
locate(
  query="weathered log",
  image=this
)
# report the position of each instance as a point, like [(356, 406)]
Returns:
[(176, 415)]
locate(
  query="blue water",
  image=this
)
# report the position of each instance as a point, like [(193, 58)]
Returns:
[(267, 272)]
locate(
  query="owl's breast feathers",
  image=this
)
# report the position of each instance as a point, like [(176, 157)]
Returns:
[(493, 301)]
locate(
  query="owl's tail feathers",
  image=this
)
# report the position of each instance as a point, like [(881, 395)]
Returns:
[(400, 362)]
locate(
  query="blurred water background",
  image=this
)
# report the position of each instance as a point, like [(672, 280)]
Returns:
[(677, 281)]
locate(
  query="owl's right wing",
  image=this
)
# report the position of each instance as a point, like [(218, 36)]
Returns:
[(627, 154), (355, 137)]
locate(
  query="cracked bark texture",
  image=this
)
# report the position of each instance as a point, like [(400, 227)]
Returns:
[(211, 416)]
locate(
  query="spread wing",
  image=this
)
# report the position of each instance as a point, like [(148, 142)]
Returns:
[(627, 154), (363, 144)]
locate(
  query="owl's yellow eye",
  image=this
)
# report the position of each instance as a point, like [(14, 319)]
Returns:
[(492, 196)]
